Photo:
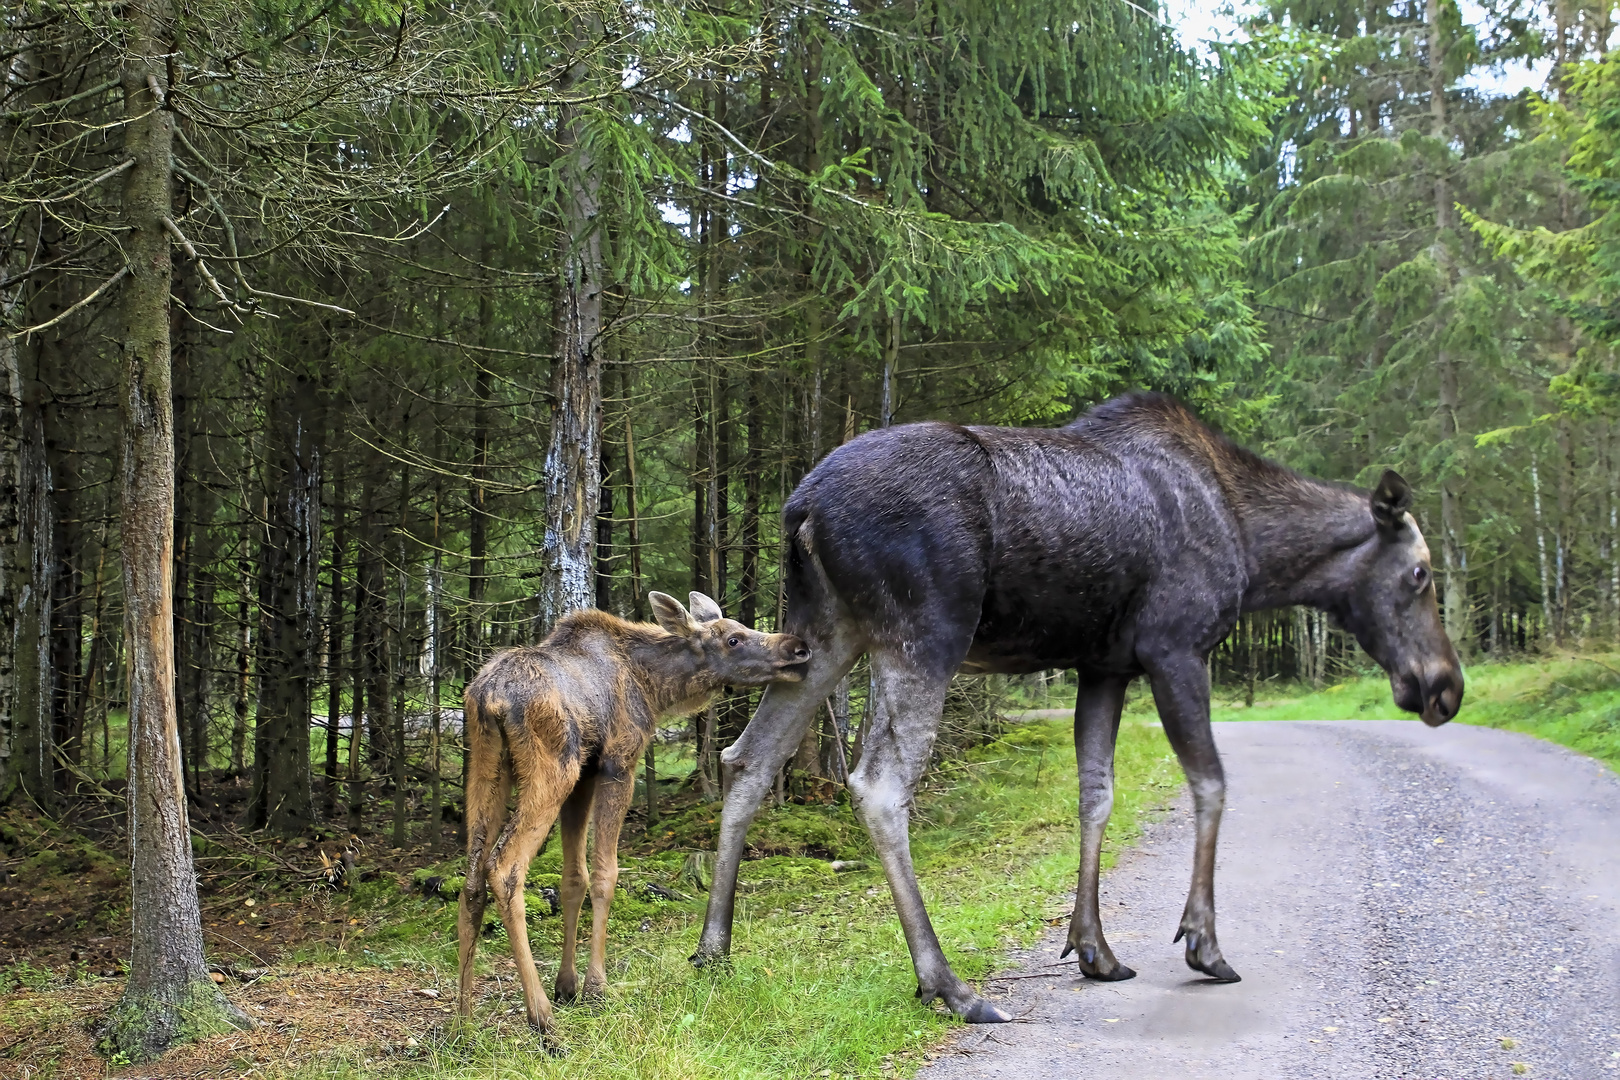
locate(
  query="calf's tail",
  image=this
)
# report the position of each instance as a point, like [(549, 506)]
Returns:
[(489, 779)]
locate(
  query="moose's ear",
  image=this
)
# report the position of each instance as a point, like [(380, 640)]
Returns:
[(703, 609), (1389, 501), (671, 615)]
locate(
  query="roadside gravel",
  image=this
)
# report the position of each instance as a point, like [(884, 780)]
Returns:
[(1401, 902)]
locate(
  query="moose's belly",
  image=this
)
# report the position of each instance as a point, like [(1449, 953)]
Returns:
[(1056, 620)]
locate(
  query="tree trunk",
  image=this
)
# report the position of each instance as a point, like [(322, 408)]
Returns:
[(334, 647), (31, 750), (168, 996), (753, 467), (244, 662), (1541, 539), (572, 473), (289, 645), (1453, 527)]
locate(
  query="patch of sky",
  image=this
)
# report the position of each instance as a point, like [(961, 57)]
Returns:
[(1198, 23)]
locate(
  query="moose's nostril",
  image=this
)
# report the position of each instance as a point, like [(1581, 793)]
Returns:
[(802, 653)]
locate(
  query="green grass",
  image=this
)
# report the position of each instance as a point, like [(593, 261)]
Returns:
[(1570, 700), (821, 982)]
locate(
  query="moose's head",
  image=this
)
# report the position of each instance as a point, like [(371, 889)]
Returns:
[(734, 654), (1389, 605)]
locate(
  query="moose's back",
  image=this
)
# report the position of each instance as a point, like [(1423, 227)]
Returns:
[(1038, 543)]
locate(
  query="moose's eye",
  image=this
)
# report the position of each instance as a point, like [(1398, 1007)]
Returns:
[(734, 640), (1420, 577)]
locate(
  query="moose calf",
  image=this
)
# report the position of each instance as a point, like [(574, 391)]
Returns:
[(566, 722)]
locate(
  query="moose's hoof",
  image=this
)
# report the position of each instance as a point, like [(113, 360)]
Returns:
[(710, 961), (1204, 956), (980, 1011), (1099, 964)]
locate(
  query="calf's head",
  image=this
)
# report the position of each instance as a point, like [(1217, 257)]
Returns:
[(1389, 605), (730, 651)]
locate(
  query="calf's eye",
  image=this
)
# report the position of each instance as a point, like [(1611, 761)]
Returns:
[(734, 641), (1420, 577)]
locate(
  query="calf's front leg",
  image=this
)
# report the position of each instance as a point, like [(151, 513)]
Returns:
[(1181, 693), (1096, 727)]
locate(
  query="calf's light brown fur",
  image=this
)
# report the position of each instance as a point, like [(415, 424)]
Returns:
[(565, 723)]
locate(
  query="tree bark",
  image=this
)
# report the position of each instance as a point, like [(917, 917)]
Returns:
[(334, 647), (572, 472), (168, 996), (289, 644), (1453, 527)]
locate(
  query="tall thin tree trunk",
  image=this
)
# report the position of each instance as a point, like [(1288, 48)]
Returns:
[(1541, 539), (244, 660), (397, 661), (168, 995), (572, 473), (1453, 527), (334, 646)]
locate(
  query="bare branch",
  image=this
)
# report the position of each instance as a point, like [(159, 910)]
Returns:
[(202, 266), (105, 285)]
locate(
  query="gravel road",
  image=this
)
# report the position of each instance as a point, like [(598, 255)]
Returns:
[(1401, 903)]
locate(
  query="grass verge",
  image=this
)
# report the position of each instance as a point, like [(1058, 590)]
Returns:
[(1570, 700)]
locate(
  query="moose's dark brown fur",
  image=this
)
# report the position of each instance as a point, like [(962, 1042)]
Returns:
[(1125, 544), (565, 722)]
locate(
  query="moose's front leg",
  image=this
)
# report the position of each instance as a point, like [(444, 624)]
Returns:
[(751, 764), (1096, 726), (1181, 692)]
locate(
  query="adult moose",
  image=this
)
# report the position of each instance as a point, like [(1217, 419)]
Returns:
[(566, 722), (1125, 544)]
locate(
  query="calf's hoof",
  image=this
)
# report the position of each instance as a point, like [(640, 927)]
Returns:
[(1099, 964)]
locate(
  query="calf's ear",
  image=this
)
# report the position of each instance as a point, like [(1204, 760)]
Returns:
[(671, 615), (703, 609), (1389, 500)]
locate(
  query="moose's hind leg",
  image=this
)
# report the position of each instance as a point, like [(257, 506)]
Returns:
[(893, 756), (1096, 726)]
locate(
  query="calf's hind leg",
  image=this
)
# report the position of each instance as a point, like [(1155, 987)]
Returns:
[(539, 798), (893, 756), (572, 823), (615, 787), (1096, 726), (489, 783)]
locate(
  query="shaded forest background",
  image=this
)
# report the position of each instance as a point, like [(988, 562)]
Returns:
[(480, 313)]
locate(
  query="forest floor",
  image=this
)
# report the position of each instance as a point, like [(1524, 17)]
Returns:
[(361, 979)]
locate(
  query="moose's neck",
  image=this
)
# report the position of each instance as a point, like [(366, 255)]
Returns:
[(1299, 533)]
